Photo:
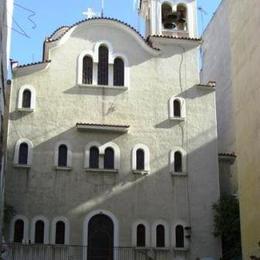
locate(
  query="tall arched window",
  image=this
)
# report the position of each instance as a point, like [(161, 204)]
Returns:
[(179, 236), (160, 236), (140, 236), (119, 72), (26, 103), (63, 156), (60, 233), (181, 17), (103, 65), (167, 21), (39, 232), (140, 159), (177, 108), (178, 162), (87, 73), (18, 231), (94, 158), (109, 158), (23, 154)]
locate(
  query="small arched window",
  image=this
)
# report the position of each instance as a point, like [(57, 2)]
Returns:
[(87, 73), (160, 236), (94, 158), (18, 231), (63, 156), (179, 236), (109, 158), (167, 19), (26, 103), (60, 233), (140, 236), (177, 108), (23, 154), (178, 162), (181, 17), (119, 72), (39, 232), (103, 65), (140, 160)]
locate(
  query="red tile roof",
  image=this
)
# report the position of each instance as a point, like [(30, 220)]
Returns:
[(33, 63), (176, 38)]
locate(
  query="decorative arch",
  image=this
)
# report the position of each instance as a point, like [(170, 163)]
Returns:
[(25, 231), (32, 98), (29, 153), (146, 157), (147, 232), (81, 57), (116, 149), (67, 230), (46, 229), (173, 115), (185, 240), (166, 233), (126, 67), (69, 154), (183, 161), (96, 51), (87, 154)]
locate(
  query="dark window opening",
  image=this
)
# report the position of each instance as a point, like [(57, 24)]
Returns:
[(177, 162), (39, 232), (181, 17), (18, 231), (103, 65), (160, 236), (177, 108), (63, 156), (94, 158), (27, 98), (140, 159), (60, 233), (119, 72), (23, 154), (179, 236), (87, 70), (168, 17), (140, 236), (109, 158)]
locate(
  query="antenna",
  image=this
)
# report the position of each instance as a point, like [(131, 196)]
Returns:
[(202, 13), (102, 8)]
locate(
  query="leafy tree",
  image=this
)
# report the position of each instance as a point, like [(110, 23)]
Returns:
[(227, 226)]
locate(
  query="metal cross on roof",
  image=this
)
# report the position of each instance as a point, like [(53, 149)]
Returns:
[(90, 13)]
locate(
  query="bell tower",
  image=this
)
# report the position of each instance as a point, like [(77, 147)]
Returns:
[(176, 18)]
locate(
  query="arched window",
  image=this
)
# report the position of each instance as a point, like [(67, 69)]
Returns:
[(60, 233), (26, 103), (23, 154), (167, 19), (160, 236), (103, 65), (87, 73), (177, 108), (179, 236), (181, 17), (178, 162), (140, 159), (94, 158), (119, 72), (39, 232), (18, 231), (109, 158), (63, 156), (140, 236)]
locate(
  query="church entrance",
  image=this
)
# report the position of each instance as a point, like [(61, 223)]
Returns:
[(100, 238)]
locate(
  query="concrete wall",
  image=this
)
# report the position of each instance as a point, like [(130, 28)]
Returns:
[(232, 36), (61, 103)]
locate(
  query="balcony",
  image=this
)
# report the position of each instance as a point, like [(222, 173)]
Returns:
[(66, 252)]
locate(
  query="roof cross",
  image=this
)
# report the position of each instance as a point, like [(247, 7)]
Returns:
[(90, 13)]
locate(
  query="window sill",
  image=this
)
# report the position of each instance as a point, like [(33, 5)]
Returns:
[(161, 248), (25, 110), (101, 170), (140, 172), (179, 174), (180, 249), (58, 168), (175, 118), (103, 87), (141, 248), (25, 166)]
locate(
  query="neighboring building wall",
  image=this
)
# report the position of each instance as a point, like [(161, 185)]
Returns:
[(233, 35)]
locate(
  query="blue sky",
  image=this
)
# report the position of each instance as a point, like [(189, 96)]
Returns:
[(27, 38)]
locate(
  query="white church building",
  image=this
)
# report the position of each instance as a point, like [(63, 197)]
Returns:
[(112, 143)]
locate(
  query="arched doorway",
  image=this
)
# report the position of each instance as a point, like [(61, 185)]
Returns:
[(100, 238)]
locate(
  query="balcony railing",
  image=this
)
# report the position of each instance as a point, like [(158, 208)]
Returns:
[(66, 252)]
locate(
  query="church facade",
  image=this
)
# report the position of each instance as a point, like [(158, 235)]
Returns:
[(112, 140)]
